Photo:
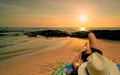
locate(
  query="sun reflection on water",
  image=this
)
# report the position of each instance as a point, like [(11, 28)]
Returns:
[(82, 29)]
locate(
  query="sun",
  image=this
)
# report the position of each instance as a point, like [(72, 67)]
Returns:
[(83, 18)]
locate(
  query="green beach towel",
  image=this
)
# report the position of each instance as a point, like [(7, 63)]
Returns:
[(65, 69)]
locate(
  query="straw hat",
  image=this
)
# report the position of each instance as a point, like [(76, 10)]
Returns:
[(98, 65)]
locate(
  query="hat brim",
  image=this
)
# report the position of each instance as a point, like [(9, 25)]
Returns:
[(82, 70), (113, 68)]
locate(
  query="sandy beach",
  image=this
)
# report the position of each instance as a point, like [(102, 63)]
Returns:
[(46, 61)]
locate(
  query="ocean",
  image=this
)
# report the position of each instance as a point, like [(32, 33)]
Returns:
[(17, 45), (69, 29)]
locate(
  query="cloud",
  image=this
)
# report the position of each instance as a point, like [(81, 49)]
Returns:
[(7, 10), (55, 10)]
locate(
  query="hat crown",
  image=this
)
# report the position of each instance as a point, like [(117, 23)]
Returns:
[(97, 65)]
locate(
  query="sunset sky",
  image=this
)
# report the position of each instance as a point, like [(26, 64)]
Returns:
[(59, 13)]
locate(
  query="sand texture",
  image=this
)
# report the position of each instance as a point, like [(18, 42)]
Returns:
[(44, 63)]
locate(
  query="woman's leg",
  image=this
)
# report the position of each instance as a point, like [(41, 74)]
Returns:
[(94, 46)]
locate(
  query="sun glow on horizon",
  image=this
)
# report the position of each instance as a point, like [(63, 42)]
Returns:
[(82, 29)]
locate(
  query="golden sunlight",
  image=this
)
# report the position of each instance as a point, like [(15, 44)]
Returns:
[(82, 29)]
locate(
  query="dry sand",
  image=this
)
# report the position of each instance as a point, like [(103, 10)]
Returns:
[(43, 63)]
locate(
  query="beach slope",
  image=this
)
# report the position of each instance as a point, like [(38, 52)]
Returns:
[(44, 63)]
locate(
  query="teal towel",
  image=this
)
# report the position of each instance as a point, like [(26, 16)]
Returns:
[(118, 65)]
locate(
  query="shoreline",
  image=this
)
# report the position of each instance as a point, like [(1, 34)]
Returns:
[(19, 54)]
